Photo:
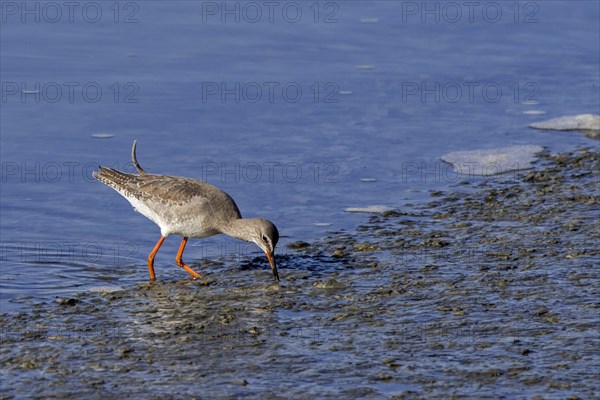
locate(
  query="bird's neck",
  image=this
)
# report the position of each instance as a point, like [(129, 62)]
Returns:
[(240, 228)]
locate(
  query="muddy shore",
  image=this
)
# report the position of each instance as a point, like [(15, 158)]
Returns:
[(489, 291)]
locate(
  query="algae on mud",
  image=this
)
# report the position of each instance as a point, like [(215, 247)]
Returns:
[(490, 292)]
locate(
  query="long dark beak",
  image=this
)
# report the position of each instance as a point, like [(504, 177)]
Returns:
[(271, 258)]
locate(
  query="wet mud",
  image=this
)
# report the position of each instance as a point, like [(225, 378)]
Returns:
[(491, 290)]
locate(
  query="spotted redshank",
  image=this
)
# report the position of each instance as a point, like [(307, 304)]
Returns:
[(189, 208)]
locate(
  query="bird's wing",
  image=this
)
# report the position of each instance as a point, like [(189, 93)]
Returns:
[(156, 187)]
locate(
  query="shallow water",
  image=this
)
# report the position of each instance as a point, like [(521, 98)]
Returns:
[(435, 302), (384, 95), (367, 136)]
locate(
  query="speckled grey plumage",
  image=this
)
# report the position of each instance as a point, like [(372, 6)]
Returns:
[(188, 207)]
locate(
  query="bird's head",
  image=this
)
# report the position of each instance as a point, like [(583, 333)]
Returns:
[(266, 235)]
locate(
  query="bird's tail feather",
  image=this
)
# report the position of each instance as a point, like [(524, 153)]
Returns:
[(134, 159), (111, 177)]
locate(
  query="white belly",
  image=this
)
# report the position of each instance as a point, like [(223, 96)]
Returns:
[(174, 219)]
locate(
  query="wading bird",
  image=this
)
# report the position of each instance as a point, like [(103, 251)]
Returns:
[(189, 208)]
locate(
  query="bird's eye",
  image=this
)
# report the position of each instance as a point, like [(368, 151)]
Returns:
[(264, 238)]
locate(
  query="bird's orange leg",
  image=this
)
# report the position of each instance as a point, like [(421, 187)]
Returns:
[(151, 257), (180, 262)]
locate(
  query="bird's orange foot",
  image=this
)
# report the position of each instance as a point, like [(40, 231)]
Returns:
[(179, 260), (193, 273)]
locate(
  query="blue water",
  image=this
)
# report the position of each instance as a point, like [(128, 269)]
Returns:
[(287, 112)]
